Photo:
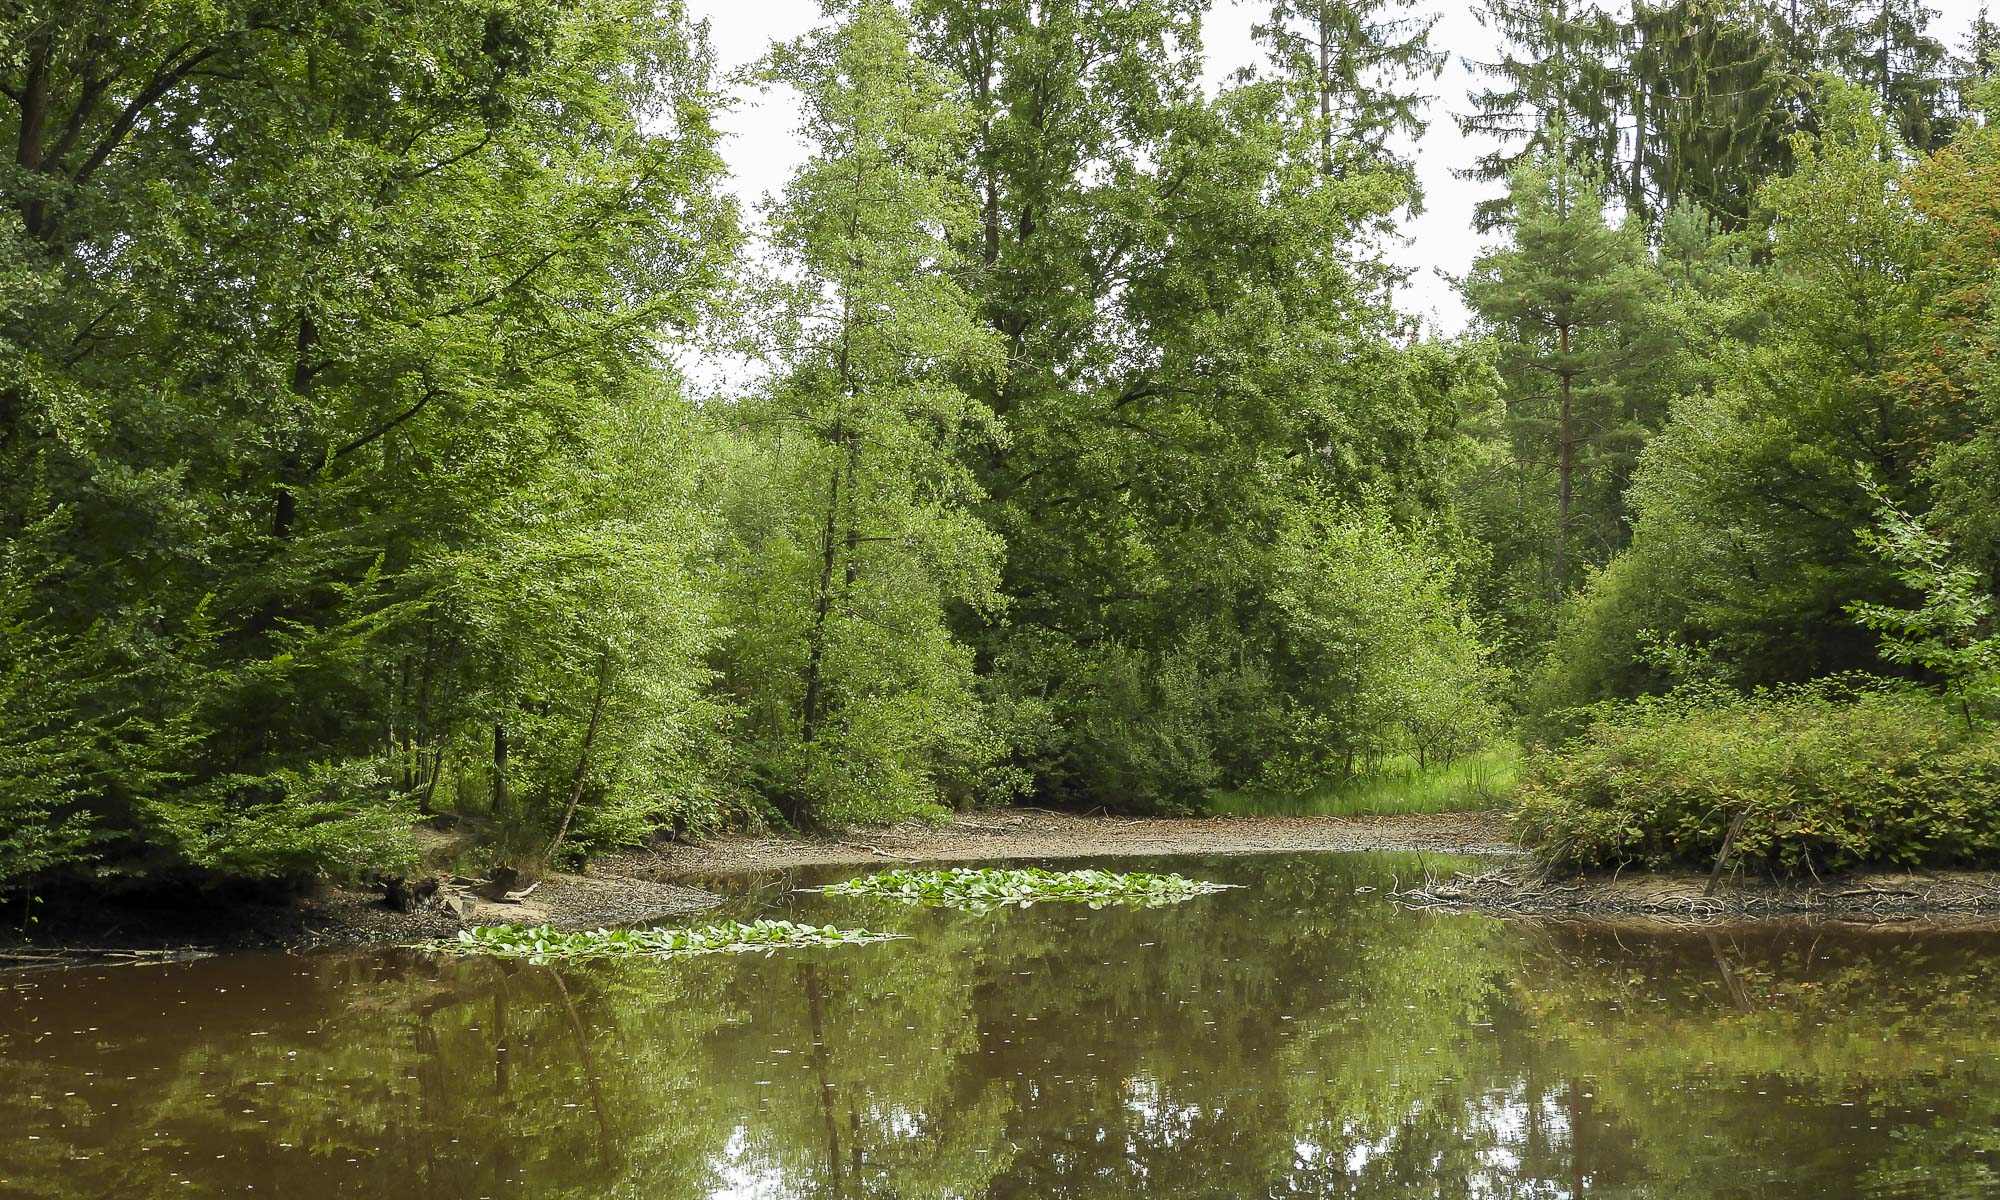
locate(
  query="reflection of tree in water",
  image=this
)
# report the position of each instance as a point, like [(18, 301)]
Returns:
[(1784, 1060), (1294, 1039)]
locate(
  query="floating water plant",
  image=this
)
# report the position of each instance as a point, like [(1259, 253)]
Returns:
[(985, 888), (544, 942)]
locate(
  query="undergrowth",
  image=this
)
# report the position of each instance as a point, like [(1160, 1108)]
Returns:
[(1840, 774), (1469, 784)]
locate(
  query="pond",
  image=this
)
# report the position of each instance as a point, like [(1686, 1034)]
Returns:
[(1301, 1036)]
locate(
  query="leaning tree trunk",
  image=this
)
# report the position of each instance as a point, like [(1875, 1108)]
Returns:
[(583, 757)]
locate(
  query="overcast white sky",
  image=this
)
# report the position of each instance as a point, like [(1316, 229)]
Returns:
[(763, 148)]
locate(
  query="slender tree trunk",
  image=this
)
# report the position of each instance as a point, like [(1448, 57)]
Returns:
[(286, 510), (400, 733), (990, 175), (583, 756), (503, 801), (829, 550), (1883, 63), (1325, 95), (1635, 191), (852, 570), (431, 780), (822, 1065), (1565, 471)]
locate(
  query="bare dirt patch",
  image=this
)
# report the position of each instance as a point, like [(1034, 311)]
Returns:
[(1038, 834), (564, 901)]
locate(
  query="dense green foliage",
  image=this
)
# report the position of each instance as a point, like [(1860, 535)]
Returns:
[(334, 444), (1072, 446), (1809, 779), (981, 888)]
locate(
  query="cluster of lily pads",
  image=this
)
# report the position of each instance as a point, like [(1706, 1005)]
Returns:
[(543, 942), (976, 889), (988, 888)]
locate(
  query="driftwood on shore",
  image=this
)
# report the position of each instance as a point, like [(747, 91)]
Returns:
[(78, 956)]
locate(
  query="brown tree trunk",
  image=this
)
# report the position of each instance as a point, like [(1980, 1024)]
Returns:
[(1326, 95), (829, 549), (582, 758), (503, 800), (1565, 471), (289, 471)]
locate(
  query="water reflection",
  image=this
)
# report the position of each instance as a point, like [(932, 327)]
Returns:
[(1298, 1038)]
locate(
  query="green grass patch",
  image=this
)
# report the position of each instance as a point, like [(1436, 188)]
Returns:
[(1473, 783), (543, 943), (988, 888)]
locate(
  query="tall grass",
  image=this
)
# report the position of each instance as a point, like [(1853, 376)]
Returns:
[(1477, 781)]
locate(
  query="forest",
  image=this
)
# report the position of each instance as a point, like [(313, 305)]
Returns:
[(1074, 450)]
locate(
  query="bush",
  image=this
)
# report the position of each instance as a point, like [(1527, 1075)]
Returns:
[(1836, 775)]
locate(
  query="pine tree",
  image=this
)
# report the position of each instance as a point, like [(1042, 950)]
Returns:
[(1561, 299), (1883, 45), (1886, 46), (1979, 61), (1560, 68), (1709, 120), (1360, 62)]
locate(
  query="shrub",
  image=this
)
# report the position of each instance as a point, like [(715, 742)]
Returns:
[(1835, 775)]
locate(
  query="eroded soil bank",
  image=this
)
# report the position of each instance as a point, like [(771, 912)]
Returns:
[(1687, 896), (653, 884), (1036, 833), (663, 883)]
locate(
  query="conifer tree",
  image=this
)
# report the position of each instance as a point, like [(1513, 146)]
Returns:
[(1562, 300), (1885, 46), (1978, 61), (1361, 62), (1559, 68), (1708, 115)]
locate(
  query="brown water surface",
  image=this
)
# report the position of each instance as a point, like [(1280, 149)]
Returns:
[(1299, 1037)]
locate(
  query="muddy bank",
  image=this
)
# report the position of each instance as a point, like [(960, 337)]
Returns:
[(640, 886), (131, 929), (1038, 834), (1686, 897)]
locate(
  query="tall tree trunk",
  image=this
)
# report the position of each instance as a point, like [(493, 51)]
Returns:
[(290, 469), (829, 550), (34, 102), (1325, 94), (503, 800), (1565, 470), (989, 173)]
